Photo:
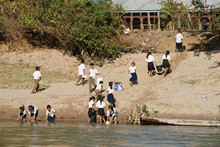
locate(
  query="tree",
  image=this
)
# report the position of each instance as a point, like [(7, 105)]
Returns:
[(172, 12)]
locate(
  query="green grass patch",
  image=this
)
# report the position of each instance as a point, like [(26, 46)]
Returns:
[(20, 76)]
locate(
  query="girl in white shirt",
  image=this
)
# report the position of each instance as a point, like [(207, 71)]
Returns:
[(133, 75), (99, 89), (150, 60), (33, 113), (101, 112), (166, 62), (110, 96), (22, 114), (91, 111)]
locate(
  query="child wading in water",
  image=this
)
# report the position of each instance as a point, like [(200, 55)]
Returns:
[(37, 78), (133, 75), (166, 63), (50, 114), (150, 61), (81, 74), (101, 112), (92, 77), (110, 96), (112, 114), (91, 111), (22, 114), (33, 113)]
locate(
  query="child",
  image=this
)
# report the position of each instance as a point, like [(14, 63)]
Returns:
[(99, 89), (37, 78), (166, 62), (101, 112), (91, 111), (179, 40), (92, 76), (33, 113), (50, 114), (110, 96), (81, 73), (112, 114), (21, 114), (132, 71), (150, 61)]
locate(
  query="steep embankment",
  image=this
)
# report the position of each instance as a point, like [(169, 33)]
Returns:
[(190, 91)]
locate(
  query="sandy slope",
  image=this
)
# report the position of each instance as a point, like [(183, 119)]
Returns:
[(179, 95)]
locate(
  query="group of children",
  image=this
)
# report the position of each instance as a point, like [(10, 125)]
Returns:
[(165, 63), (33, 114)]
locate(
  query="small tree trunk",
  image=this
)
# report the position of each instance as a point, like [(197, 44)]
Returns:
[(199, 23), (179, 21), (189, 21)]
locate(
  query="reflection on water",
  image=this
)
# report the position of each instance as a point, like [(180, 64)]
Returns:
[(14, 134)]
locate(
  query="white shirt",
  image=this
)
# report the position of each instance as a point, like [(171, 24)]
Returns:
[(179, 38), (81, 67), (150, 58), (91, 103), (34, 111), (92, 73), (99, 86), (51, 113), (24, 112), (110, 90), (37, 75), (99, 105), (164, 57), (132, 69)]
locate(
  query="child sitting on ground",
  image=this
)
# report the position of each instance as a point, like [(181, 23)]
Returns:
[(33, 113), (50, 114), (21, 114)]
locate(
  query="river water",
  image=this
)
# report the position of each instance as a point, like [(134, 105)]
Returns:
[(61, 135)]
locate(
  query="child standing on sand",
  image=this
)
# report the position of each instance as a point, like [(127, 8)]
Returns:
[(50, 114), (150, 60), (22, 114), (166, 62), (179, 40), (33, 113), (92, 77), (91, 111), (99, 89), (37, 78), (110, 96), (81, 73), (133, 75), (101, 112)]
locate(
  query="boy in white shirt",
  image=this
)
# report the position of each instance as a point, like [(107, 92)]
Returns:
[(81, 73), (92, 77), (50, 114), (37, 78), (179, 40)]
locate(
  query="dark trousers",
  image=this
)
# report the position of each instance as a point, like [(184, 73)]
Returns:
[(51, 119), (179, 46)]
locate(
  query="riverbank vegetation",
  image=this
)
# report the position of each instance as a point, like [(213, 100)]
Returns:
[(87, 28)]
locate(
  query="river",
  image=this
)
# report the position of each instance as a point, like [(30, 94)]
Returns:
[(95, 135)]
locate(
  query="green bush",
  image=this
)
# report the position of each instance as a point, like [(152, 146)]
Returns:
[(91, 26)]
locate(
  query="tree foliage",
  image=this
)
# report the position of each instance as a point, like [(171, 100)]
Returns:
[(89, 27), (170, 11)]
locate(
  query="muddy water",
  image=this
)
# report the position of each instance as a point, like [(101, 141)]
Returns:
[(14, 134)]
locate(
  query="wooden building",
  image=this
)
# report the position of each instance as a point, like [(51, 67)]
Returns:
[(141, 14)]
